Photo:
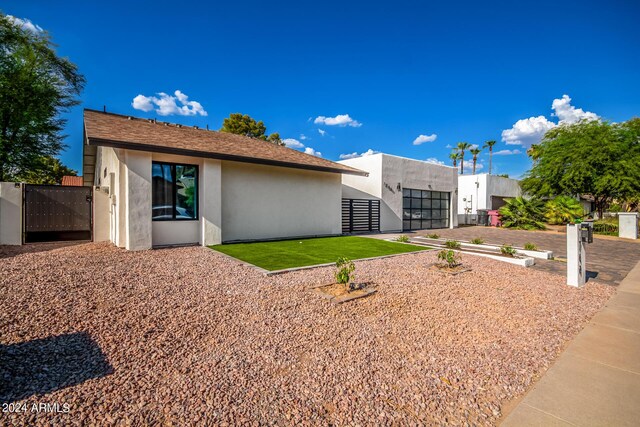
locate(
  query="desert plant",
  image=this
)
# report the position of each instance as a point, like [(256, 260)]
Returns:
[(345, 267), (530, 246), (562, 210), (521, 213), (477, 241), (507, 250), (452, 244), (433, 236), (449, 258), (403, 238)]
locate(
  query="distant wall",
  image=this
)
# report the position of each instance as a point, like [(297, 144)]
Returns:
[(10, 213)]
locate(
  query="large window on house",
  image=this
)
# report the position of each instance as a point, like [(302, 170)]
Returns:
[(424, 209), (174, 191)]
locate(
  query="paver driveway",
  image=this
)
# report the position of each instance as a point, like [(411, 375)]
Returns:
[(187, 336), (608, 259)]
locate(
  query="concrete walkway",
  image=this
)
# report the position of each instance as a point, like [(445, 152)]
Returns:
[(596, 380)]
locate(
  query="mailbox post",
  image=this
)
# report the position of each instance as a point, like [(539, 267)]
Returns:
[(577, 236)]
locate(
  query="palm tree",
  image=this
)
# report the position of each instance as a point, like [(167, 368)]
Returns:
[(475, 152), (454, 156), (563, 209), (521, 213), (489, 145), (461, 147)]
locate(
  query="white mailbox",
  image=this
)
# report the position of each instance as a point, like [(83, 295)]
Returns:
[(577, 236)]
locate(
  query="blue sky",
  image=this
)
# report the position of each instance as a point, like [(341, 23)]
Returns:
[(463, 71)]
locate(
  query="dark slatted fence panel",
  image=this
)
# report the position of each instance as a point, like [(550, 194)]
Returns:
[(360, 215)]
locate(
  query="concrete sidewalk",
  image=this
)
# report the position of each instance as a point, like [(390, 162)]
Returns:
[(596, 380)]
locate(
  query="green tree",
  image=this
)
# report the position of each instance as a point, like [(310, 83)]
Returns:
[(588, 157), (521, 213), (489, 145), (562, 210), (475, 152), (245, 125), (46, 170), (36, 86), (461, 147)]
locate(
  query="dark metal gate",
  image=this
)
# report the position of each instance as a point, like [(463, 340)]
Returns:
[(360, 215), (56, 213)]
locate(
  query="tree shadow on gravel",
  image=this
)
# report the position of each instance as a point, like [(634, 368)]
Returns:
[(44, 365), (9, 251)]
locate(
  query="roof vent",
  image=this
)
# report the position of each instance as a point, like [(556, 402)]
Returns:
[(195, 127), (129, 118), (166, 123), (178, 125)]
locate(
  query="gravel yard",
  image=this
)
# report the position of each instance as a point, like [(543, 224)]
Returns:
[(188, 336)]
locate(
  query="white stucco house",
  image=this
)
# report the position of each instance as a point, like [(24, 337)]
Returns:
[(166, 184), (411, 194), (483, 191)]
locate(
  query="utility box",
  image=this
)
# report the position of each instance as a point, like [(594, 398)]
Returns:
[(628, 225)]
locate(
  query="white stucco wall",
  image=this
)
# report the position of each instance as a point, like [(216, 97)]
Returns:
[(478, 196), (10, 213), (386, 172), (266, 202)]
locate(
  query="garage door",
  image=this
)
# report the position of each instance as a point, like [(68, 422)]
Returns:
[(425, 209)]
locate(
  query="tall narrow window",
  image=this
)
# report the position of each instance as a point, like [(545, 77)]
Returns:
[(175, 191)]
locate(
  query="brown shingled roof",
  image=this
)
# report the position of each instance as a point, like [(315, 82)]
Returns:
[(73, 181), (114, 130)]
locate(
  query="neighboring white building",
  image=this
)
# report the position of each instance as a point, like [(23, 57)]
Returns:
[(412, 194), (483, 191), (165, 184)]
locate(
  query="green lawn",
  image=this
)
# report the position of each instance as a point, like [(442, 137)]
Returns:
[(283, 254)]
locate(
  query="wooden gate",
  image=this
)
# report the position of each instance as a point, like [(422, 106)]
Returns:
[(56, 213), (360, 215)]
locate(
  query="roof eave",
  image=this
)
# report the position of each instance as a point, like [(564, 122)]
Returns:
[(203, 154)]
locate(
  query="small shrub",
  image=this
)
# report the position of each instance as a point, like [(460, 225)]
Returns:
[(452, 244), (507, 250), (344, 274), (433, 236), (449, 258), (530, 246), (403, 238), (477, 241)]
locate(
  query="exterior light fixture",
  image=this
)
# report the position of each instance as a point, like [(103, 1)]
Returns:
[(399, 187)]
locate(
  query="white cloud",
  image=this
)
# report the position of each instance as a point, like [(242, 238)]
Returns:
[(322, 132), (526, 132), (567, 113), (303, 136), (448, 146), (339, 120), (313, 152), (166, 105), (421, 139), (293, 143), (530, 131), (468, 166), (25, 24), (354, 155), (506, 152), (434, 161)]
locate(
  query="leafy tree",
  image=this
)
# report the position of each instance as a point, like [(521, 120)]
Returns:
[(562, 210), (461, 147), (503, 175), (36, 86), (475, 152), (489, 145), (46, 170), (588, 157), (247, 126), (521, 213)]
